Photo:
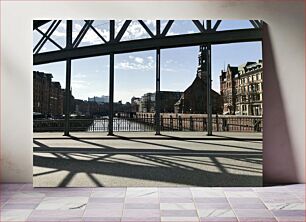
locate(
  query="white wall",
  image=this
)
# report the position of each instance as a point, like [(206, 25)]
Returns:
[(284, 60)]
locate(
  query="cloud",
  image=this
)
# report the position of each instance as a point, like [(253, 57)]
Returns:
[(139, 60)]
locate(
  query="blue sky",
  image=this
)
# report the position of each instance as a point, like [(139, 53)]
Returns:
[(135, 72)]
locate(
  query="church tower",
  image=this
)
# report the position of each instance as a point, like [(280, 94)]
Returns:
[(202, 71)]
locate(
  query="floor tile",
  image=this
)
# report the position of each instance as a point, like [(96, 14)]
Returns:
[(240, 194), (14, 214), (179, 213), (176, 200), (110, 193), (285, 206), (179, 219), (253, 213), (140, 219), (177, 206), (213, 205), (101, 219), (105, 200), (103, 213), (216, 213), (20, 206), (57, 213), (136, 213), (218, 219), (110, 206), (62, 203), (207, 192), (141, 206), (289, 213), (142, 192), (210, 200)]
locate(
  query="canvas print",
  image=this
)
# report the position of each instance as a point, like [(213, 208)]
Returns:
[(121, 103)]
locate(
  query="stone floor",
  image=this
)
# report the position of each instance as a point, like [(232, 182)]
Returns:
[(22, 202), (143, 159)]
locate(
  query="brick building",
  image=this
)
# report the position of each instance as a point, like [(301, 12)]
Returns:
[(47, 95), (194, 98), (242, 89)]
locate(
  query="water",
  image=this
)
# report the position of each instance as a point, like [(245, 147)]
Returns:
[(101, 125)]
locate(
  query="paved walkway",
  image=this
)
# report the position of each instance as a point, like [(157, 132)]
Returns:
[(20, 202), (143, 159)]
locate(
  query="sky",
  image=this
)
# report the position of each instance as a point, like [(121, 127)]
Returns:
[(135, 72)]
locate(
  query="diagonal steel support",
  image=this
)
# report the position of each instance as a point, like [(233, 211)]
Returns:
[(146, 28), (199, 25), (82, 33), (95, 30), (218, 22), (47, 36), (259, 23), (167, 27), (255, 25), (122, 30), (43, 37)]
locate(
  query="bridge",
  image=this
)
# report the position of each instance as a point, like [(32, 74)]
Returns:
[(174, 151)]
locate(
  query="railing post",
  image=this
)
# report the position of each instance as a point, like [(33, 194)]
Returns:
[(171, 123), (161, 122), (217, 122), (180, 126), (190, 123)]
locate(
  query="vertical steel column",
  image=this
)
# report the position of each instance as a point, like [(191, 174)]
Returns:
[(68, 79), (209, 103), (111, 82), (157, 93)]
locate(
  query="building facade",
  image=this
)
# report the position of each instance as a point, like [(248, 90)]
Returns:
[(47, 95), (242, 89), (167, 101)]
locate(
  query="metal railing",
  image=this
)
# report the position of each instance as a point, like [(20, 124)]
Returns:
[(147, 124)]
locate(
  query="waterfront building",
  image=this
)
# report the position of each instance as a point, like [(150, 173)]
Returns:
[(47, 95), (242, 89), (99, 100), (167, 101)]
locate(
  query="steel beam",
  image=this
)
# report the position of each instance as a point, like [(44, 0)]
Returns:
[(209, 101), (220, 37), (157, 92), (68, 79), (38, 23), (111, 81)]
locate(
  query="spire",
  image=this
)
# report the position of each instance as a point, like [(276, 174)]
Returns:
[(202, 65)]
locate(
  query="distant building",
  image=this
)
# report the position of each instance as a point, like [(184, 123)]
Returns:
[(135, 103), (167, 101), (242, 89), (194, 98), (99, 100), (47, 95)]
